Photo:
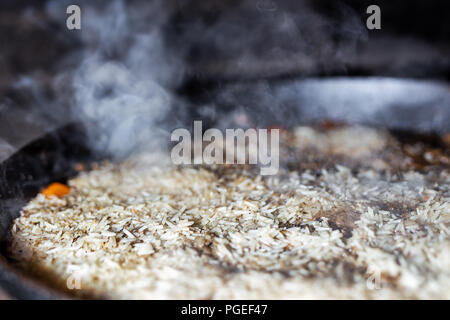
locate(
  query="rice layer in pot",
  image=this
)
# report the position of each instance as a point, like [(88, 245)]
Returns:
[(358, 218)]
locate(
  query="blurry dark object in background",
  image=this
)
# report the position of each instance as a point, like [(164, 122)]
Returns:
[(254, 39), (32, 51), (259, 38), (406, 104), (248, 40), (221, 41), (263, 38)]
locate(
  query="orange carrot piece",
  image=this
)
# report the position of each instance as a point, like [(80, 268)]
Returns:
[(56, 189)]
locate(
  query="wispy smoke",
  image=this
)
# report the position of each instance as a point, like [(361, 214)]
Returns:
[(121, 89), (418, 105), (5, 150), (120, 72), (132, 58), (254, 39), (134, 54)]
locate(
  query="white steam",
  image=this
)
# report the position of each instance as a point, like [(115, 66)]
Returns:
[(122, 87)]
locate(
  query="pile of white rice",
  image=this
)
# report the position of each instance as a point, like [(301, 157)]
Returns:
[(138, 231)]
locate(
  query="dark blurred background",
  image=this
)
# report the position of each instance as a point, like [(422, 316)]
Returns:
[(217, 42)]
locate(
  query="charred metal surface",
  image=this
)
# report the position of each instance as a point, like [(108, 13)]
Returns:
[(54, 157)]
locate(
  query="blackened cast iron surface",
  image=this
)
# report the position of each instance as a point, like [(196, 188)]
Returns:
[(48, 159)]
